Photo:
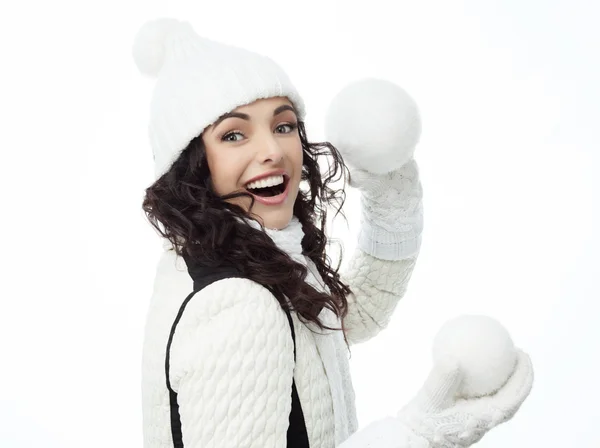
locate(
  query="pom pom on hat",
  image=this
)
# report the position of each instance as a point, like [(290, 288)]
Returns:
[(149, 45)]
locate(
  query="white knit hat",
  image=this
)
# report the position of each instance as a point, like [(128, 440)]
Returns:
[(197, 81)]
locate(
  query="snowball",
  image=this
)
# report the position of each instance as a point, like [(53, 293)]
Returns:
[(484, 350), (375, 125)]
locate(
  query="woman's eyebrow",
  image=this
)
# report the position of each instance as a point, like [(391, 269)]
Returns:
[(246, 117), (231, 115), (285, 107)]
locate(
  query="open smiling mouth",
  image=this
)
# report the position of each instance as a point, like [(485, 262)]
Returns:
[(269, 187)]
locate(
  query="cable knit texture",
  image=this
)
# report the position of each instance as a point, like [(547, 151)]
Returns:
[(232, 354), (377, 286), (392, 212)]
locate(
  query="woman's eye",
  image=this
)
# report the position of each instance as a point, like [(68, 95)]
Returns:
[(289, 126), (236, 136), (227, 137)]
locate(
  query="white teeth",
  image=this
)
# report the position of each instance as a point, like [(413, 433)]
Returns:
[(266, 182)]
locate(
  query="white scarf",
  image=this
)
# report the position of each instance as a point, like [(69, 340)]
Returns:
[(330, 344)]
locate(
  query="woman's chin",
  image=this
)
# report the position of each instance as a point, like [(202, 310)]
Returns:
[(275, 219)]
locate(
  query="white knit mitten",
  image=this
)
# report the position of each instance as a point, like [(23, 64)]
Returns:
[(446, 421), (479, 380), (392, 211)]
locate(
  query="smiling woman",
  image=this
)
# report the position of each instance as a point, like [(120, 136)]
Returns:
[(247, 335)]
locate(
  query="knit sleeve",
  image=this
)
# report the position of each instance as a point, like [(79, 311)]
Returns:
[(377, 287), (232, 361)]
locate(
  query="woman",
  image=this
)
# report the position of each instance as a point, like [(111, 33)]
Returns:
[(247, 333)]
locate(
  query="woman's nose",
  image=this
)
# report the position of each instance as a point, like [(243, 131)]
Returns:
[(274, 157), (270, 151)]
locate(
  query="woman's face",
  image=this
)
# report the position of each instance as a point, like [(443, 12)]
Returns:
[(257, 148)]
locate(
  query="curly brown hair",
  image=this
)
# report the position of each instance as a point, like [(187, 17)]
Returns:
[(183, 207)]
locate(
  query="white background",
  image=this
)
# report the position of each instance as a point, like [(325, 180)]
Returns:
[(509, 97)]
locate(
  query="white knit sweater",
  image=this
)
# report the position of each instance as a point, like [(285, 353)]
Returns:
[(232, 354)]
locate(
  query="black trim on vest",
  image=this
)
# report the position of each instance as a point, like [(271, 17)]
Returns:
[(297, 436)]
